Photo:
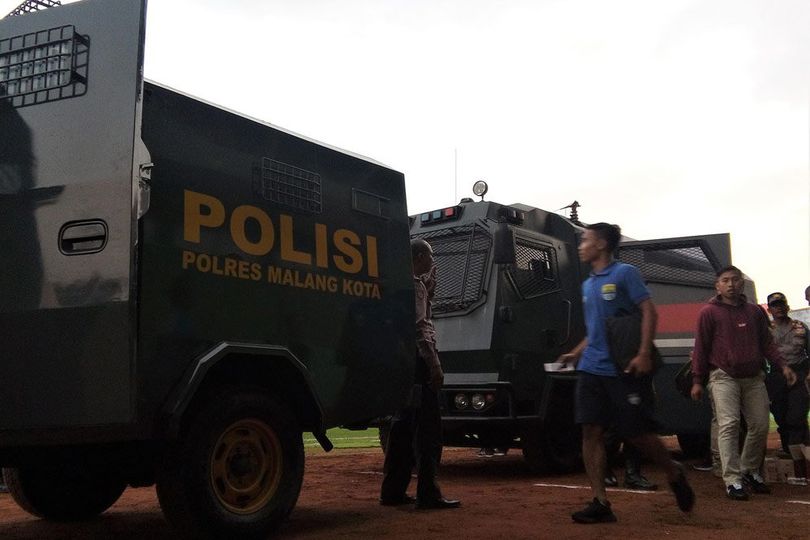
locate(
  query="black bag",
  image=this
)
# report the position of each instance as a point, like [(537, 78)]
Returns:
[(624, 340)]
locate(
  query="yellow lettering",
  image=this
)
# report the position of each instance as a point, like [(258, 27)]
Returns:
[(193, 217), (267, 235), (351, 261), (288, 252), (255, 271), (230, 267), (188, 259), (321, 250), (274, 274)]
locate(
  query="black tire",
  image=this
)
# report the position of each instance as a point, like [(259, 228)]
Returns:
[(70, 493), (237, 471), (552, 448), (694, 445)]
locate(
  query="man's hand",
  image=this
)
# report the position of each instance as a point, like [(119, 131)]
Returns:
[(640, 365), (697, 392), (790, 375), (568, 359), (436, 378)]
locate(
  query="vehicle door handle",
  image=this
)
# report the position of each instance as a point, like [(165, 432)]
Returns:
[(83, 237)]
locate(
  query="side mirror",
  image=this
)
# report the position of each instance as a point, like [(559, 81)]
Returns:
[(504, 245)]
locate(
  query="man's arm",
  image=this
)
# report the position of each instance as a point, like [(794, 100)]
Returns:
[(425, 338), (573, 356), (700, 355), (642, 364)]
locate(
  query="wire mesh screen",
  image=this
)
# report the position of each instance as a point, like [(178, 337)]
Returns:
[(680, 264), (43, 66), (461, 255), (290, 186), (535, 270)]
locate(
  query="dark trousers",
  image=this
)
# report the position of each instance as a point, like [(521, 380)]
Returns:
[(415, 439), (789, 406)]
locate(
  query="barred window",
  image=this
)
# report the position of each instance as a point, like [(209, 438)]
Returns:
[(683, 264), (535, 270), (461, 255)]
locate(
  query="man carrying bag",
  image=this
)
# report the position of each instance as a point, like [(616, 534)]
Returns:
[(604, 394)]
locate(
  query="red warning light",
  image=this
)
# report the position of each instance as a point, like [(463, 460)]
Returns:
[(449, 212)]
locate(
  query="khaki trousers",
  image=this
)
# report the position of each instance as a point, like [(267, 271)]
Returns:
[(731, 397)]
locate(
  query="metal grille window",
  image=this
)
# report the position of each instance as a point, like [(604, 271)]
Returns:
[(462, 259), (686, 264), (43, 66), (535, 270), (290, 186)]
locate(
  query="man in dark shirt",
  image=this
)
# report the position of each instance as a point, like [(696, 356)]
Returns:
[(415, 436), (731, 344)]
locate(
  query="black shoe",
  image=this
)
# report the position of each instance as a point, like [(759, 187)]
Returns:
[(684, 495), (756, 483), (3, 488), (437, 504), (611, 480), (595, 512), (405, 499), (638, 481), (703, 466), (735, 492)]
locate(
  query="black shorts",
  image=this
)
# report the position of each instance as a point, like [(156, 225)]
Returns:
[(624, 401)]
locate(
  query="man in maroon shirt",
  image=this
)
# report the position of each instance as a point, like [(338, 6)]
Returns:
[(731, 344)]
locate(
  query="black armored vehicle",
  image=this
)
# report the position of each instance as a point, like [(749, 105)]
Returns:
[(183, 290), (508, 301)]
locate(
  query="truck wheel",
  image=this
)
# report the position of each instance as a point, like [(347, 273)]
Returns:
[(552, 448), (64, 494), (694, 445), (237, 472)]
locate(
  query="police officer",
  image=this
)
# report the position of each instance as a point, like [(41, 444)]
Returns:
[(415, 435)]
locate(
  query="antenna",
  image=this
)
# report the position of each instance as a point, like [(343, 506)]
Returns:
[(574, 217), (33, 5)]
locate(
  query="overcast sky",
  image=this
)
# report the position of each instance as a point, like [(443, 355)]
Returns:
[(671, 118)]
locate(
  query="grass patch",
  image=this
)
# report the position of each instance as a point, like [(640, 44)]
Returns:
[(346, 438)]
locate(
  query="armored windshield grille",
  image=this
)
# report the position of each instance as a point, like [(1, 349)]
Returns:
[(535, 270), (462, 256), (290, 186), (43, 66), (681, 264)]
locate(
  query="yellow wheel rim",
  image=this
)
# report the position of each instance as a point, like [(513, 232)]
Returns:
[(246, 466)]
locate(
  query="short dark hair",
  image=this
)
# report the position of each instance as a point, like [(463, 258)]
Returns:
[(418, 246), (611, 234), (729, 268)]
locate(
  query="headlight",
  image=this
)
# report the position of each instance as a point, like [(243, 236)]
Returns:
[(478, 402), (461, 401)]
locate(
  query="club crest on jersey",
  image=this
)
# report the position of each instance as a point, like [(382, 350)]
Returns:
[(608, 291)]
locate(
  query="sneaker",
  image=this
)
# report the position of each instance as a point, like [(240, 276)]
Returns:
[(680, 487), (705, 466), (611, 480), (486, 452), (596, 512), (756, 483), (736, 492), (638, 481)]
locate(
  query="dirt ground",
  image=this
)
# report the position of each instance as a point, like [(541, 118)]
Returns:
[(500, 498)]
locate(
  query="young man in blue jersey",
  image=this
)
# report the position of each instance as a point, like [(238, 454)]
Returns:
[(605, 396)]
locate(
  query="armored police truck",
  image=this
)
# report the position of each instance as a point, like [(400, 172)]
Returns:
[(183, 289), (508, 301)]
